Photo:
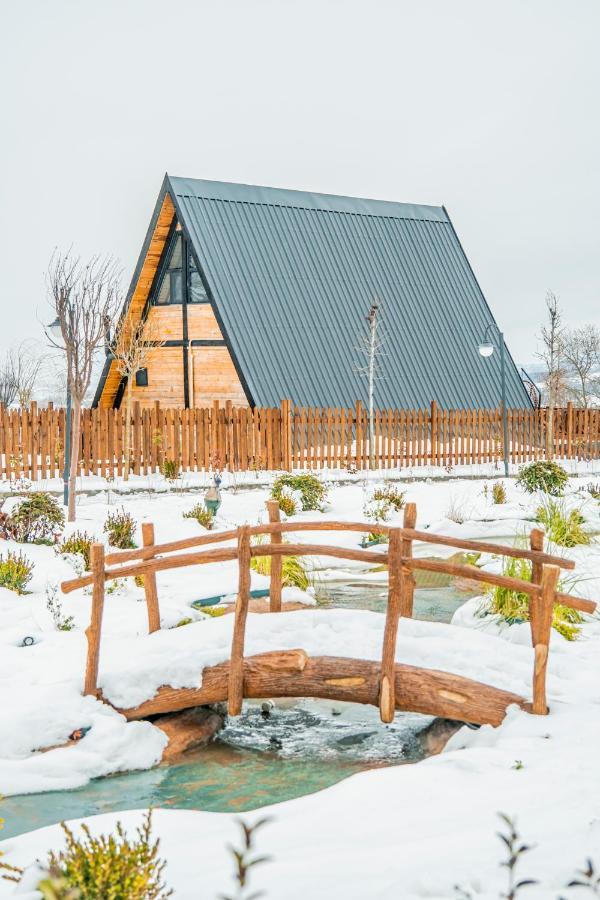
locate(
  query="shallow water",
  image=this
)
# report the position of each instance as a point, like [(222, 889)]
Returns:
[(292, 749)]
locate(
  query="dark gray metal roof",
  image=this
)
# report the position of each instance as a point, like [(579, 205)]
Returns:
[(293, 274)]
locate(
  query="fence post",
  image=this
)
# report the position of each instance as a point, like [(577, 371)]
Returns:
[(286, 436), (433, 433), (276, 561), (396, 585), (235, 693), (536, 545), (543, 604), (150, 589), (410, 520), (569, 429), (358, 434), (94, 629)]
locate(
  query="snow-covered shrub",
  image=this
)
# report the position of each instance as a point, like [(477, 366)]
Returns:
[(391, 495), (313, 492), (377, 510), (201, 514), (15, 572), (120, 528), (54, 607), (563, 526), (594, 490), (34, 520), (108, 866), (79, 543), (513, 605), (290, 501), (499, 492), (545, 475)]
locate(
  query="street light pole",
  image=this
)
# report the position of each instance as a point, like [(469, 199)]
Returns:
[(486, 348)]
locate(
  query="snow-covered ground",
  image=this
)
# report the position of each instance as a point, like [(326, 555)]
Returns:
[(408, 831)]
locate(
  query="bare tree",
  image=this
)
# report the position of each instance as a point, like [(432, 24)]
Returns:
[(84, 297), (552, 355), (26, 364), (131, 347), (370, 347), (8, 385), (581, 350)]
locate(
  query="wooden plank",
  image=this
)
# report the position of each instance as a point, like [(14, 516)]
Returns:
[(543, 603), (276, 561), (387, 694)]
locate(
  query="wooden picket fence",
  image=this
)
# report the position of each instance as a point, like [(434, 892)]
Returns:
[(32, 441)]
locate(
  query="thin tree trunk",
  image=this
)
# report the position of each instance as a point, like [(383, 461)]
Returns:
[(127, 448), (74, 457), (373, 326)]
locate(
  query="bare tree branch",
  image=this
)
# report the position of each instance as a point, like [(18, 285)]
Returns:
[(581, 350)]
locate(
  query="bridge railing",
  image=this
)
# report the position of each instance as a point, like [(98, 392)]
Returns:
[(152, 558)]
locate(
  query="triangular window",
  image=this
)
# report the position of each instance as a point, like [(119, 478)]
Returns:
[(171, 286)]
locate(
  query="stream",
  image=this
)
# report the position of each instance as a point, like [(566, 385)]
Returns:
[(265, 756)]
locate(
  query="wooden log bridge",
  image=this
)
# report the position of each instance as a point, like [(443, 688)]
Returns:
[(387, 684)]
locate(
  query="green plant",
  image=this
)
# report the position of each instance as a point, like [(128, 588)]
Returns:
[(312, 491), (182, 622), (35, 520), (375, 537), (391, 495), (499, 492), (120, 528), (170, 469), (287, 504), (201, 514), (243, 861), (15, 572), (138, 580), (54, 607), (293, 568), (107, 867), (563, 526), (513, 605), (79, 542), (214, 611), (377, 510), (546, 476)]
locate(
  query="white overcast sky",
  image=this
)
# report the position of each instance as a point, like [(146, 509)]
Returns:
[(491, 108)]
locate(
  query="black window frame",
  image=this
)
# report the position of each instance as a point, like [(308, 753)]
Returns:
[(184, 272)]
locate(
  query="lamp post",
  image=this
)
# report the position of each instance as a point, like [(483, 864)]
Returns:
[(55, 332), (486, 348)]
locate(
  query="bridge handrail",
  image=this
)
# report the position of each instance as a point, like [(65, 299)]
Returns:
[(542, 590)]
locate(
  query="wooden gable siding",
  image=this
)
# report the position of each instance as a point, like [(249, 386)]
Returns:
[(213, 377), (142, 288)]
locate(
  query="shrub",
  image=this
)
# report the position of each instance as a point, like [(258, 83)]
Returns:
[(563, 527), (79, 542), (513, 605), (110, 866), (54, 607), (293, 568), (544, 476), (120, 528), (201, 514), (499, 492), (170, 469), (377, 510), (35, 520), (15, 572), (594, 489), (289, 501), (390, 494), (312, 492)]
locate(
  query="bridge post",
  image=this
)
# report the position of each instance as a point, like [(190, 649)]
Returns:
[(543, 605), (387, 684), (150, 589), (276, 561), (408, 581), (536, 545), (235, 691), (95, 627)]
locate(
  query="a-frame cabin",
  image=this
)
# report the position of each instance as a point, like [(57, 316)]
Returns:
[(260, 294)]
